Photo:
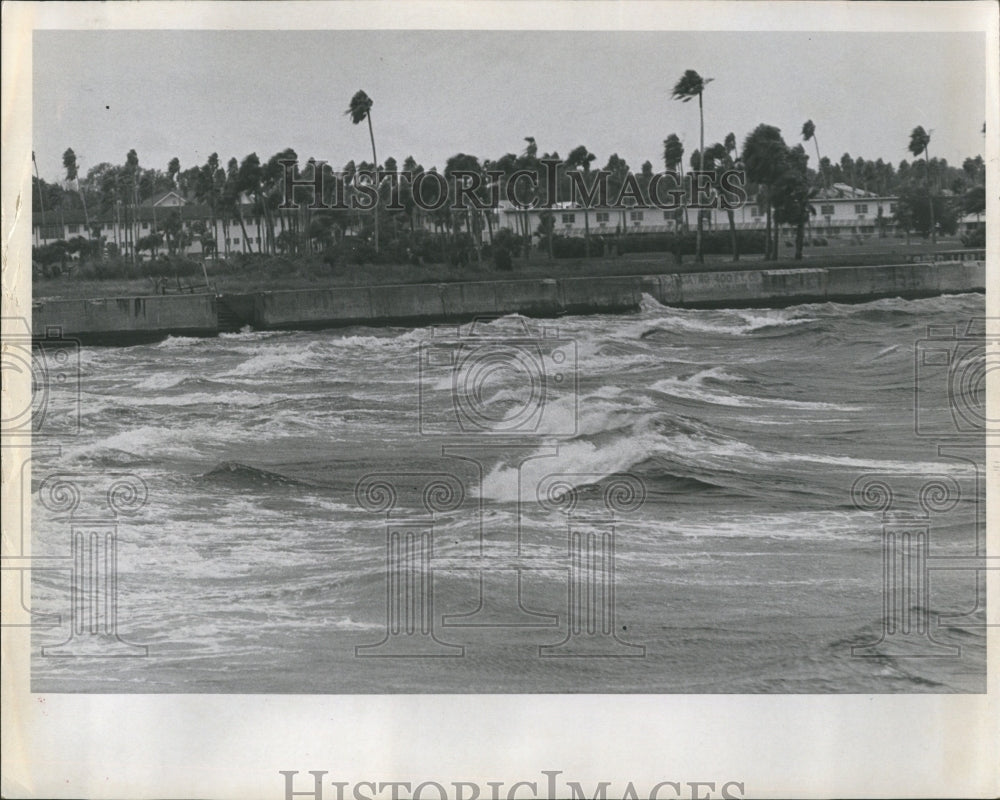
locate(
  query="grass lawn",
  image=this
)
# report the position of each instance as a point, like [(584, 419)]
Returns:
[(274, 273)]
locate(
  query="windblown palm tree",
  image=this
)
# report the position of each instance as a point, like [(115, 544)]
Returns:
[(919, 143), (580, 158), (689, 86), (361, 109), (41, 194), (764, 157), (722, 158), (809, 132), (673, 160), (73, 177), (132, 175)]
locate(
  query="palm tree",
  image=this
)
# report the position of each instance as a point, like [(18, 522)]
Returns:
[(72, 176), (132, 175), (466, 163), (361, 109), (722, 158), (919, 143), (618, 171), (792, 194), (809, 132), (174, 170), (41, 194), (208, 189), (233, 199), (528, 160), (692, 85), (673, 159), (764, 155), (581, 158)]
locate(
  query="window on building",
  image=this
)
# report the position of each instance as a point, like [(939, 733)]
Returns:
[(827, 211), (72, 228), (892, 208), (258, 240), (603, 216), (635, 216), (50, 232), (755, 211), (861, 208), (568, 219), (236, 241)]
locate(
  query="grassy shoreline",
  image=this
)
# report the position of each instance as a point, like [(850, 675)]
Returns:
[(279, 273)]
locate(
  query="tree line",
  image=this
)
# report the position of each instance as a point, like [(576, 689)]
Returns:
[(931, 194)]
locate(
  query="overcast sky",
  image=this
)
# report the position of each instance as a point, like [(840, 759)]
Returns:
[(437, 93)]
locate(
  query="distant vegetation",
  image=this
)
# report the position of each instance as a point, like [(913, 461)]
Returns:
[(932, 195)]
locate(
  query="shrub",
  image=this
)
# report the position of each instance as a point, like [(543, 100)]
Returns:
[(576, 246), (717, 242), (975, 238)]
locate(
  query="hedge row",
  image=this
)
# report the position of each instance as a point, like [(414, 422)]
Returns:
[(712, 243)]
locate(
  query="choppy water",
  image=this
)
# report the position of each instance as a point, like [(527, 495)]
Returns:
[(252, 567)]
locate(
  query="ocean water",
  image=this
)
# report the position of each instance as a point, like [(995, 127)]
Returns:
[(653, 502)]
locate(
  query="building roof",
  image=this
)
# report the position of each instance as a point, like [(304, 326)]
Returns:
[(144, 213), (171, 197)]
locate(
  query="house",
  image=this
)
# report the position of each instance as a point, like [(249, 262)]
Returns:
[(842, 209), (124, 225)]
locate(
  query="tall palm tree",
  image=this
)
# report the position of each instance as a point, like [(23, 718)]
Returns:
[(528, 160), (73, 177), (208, 189), (764, 156), (792, 195), (673, 160), (809, 132), (721, 158), (41, 194), (132, 175), (466, 163), (919, 143), (361, 109), (691, 85), (581, 158)]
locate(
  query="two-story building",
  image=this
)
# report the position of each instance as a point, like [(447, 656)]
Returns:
[(842, 209), (125, 227)]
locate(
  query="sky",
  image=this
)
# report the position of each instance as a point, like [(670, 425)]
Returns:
[(437, 93)]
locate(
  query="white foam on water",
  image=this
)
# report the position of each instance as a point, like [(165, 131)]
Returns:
[(160, 380), (694, 388), (650, 305), (756, 319), (180, 341)]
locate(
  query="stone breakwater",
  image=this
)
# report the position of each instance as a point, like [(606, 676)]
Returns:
[(138, 319)]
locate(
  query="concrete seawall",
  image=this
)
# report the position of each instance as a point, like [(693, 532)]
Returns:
[(127, 320), (147, 318)]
